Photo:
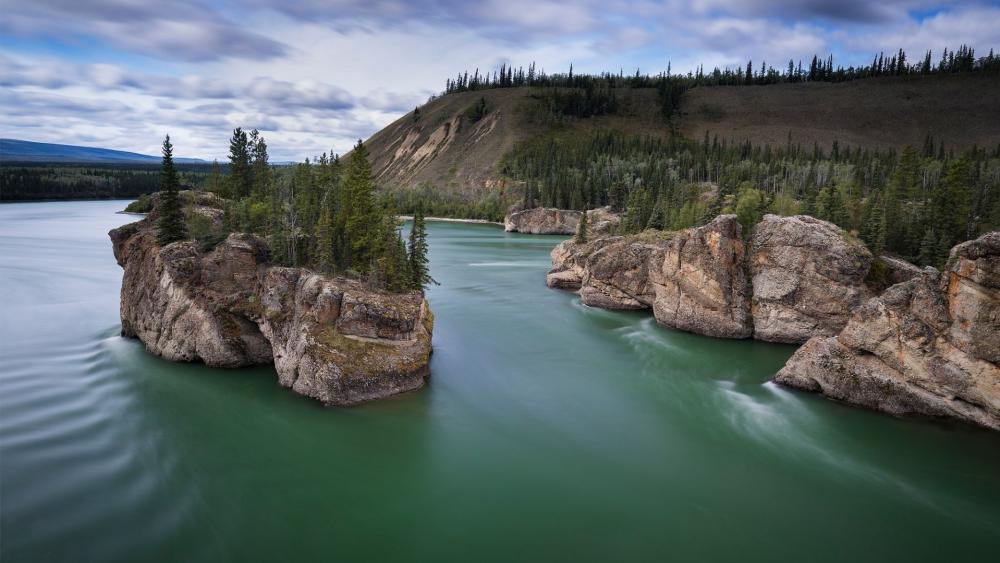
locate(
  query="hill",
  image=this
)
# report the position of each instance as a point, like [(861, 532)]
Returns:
[(15, 150), (446, 145), (962, 110)]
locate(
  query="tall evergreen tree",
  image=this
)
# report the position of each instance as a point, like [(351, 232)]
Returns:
[(419, 272), (170, 227), (582, 228), (259, 165), (240, 174), (359, 213)]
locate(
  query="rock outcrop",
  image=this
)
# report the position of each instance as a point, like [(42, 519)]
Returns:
[(329, 338), (929, 345), (801, 277), (807, 277), (552, 221), (692, 280)]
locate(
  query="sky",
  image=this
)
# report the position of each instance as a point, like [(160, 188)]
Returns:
[(314, 76)]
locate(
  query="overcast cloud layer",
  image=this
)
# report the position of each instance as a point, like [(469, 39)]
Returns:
[(316, 75)]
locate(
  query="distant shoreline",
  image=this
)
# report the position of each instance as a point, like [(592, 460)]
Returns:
[(453, 220), (403, 217)]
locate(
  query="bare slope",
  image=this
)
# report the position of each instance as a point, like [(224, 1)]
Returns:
[(449, 149), (962, 110)]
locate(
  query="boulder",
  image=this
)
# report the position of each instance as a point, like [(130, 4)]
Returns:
[(898, 270), (807, 277), (929, 345), (552, 221)]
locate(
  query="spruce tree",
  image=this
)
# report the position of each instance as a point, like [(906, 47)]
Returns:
[(419, 274), (582, 228), (928, 249), (359, 215), (259, 166), (170, 226), (239, 181), (215, 183), (324, 238)]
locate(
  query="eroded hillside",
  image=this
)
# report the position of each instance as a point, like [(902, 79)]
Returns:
[(457, 149), (452, 146)]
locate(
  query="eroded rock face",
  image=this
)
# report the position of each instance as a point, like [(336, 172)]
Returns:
[(329, 339), (692, 280), (542, 221), (929, 345), (552, 221), (700, 283), (807, 278)]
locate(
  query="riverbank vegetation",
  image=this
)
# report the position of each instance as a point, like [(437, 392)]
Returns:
[(916, 203)]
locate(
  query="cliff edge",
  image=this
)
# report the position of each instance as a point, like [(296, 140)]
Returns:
[(331, 339)]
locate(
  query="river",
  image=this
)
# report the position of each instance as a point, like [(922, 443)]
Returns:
[(548, 431)]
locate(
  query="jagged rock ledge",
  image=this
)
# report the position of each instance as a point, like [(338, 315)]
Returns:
[(329, 338), (798, 277), (929, 344), (552, 221)]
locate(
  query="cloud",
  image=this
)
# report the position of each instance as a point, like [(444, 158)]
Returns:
[(316, 75), (305, 94), (975, 26), (396, 102), (176, 29)]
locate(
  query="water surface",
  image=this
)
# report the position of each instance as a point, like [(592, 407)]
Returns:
[(548, 431)]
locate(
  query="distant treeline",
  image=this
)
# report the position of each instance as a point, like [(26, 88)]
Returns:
[(28, 181), (593, 94), (962, 59), (915, 203)]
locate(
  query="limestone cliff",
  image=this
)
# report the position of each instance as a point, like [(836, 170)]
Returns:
[(329, 338), (929, 345)]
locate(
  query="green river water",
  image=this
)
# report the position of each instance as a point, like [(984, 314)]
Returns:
[(548, 431)]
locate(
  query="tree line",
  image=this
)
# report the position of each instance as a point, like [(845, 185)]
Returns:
[(323, 215), (963, 59), (20, 182), (915, 203)]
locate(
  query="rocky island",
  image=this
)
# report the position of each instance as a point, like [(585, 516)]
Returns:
[(329, 338), (926, 345)]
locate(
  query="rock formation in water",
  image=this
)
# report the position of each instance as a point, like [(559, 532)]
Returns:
[(692, 280), (929, 345), (799, 279), (329, 338), (552, 221)]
